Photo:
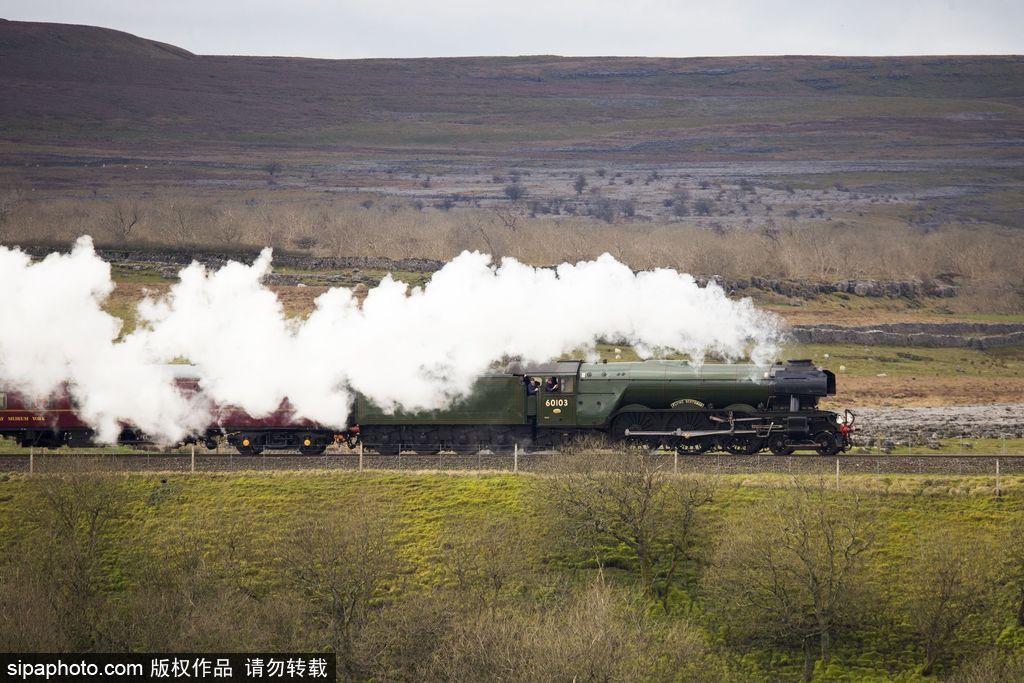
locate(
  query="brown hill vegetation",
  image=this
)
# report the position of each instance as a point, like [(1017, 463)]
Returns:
[(818, 168), (91, 86)]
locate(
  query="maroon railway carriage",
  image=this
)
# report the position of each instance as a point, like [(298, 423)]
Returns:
[(54, 422), (49, 423)]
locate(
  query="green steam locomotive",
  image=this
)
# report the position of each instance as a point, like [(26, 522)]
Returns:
[(690, 408)]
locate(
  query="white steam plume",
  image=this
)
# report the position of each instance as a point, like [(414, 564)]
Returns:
[(418, 347), (53, 330)]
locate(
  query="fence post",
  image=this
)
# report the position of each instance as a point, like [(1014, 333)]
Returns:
[(515, 458), (675, 462), (837, 474), (193, 465), (31, 459), (999, 490), (360, 456)]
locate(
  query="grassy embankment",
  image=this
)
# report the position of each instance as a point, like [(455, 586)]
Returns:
[(254, 515)]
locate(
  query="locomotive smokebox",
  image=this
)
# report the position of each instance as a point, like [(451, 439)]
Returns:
[(800, 382)]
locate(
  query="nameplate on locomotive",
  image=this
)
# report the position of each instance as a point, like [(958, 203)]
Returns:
[(687, 402)]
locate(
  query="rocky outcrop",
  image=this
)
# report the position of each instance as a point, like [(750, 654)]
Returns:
[(180, 258), (911, 289), (173, 259), (887, 427), (931, 335)]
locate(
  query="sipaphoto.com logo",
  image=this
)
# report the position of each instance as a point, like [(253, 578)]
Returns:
[(61, 669), (142, 668)]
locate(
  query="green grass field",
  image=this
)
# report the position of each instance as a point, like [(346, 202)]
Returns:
[(256, 513)]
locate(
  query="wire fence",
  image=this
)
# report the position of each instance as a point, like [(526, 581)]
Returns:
[(514, 460)]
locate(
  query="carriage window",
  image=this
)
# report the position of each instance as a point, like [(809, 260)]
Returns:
[(3, 401)]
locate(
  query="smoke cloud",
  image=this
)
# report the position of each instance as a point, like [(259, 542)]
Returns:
[(415, 347), (53, 330)]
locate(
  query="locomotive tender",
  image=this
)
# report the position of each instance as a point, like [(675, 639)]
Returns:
[(678, 405)]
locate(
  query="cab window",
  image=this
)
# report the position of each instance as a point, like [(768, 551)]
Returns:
[(560, 385)]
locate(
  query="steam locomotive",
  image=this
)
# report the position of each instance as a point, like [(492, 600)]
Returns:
[(741, 409)]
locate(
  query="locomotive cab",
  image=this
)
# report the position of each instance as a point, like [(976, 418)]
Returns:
[(551, 390)]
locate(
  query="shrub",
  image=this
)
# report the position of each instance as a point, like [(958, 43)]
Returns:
[(515, 191)]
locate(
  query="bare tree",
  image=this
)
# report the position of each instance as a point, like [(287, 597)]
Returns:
[(488, 557), (230, 225), (628, 498), (472, 230), (792, 571), (183, 226), (124, 217), (579, 184), (508, 218), (9, 201), (996, 666), (77, 511), (952, 580), (1013, 565), (339, 563), (599, 633)]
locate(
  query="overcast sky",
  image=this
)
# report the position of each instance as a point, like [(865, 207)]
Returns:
[(680, 28)]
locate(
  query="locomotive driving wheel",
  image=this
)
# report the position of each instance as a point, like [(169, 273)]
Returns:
[(692, 446), (743, 444), (779, 445), (635, 422), (687, 421)]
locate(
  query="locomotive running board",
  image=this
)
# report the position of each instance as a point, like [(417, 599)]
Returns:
[(690, 435)]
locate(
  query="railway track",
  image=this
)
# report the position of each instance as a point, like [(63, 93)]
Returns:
[(966, 464)]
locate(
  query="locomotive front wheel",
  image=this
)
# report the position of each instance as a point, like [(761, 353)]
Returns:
[(779, 445), (826, 443)]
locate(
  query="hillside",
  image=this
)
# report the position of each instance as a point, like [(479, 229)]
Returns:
[(774, 167), (95, 88)]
